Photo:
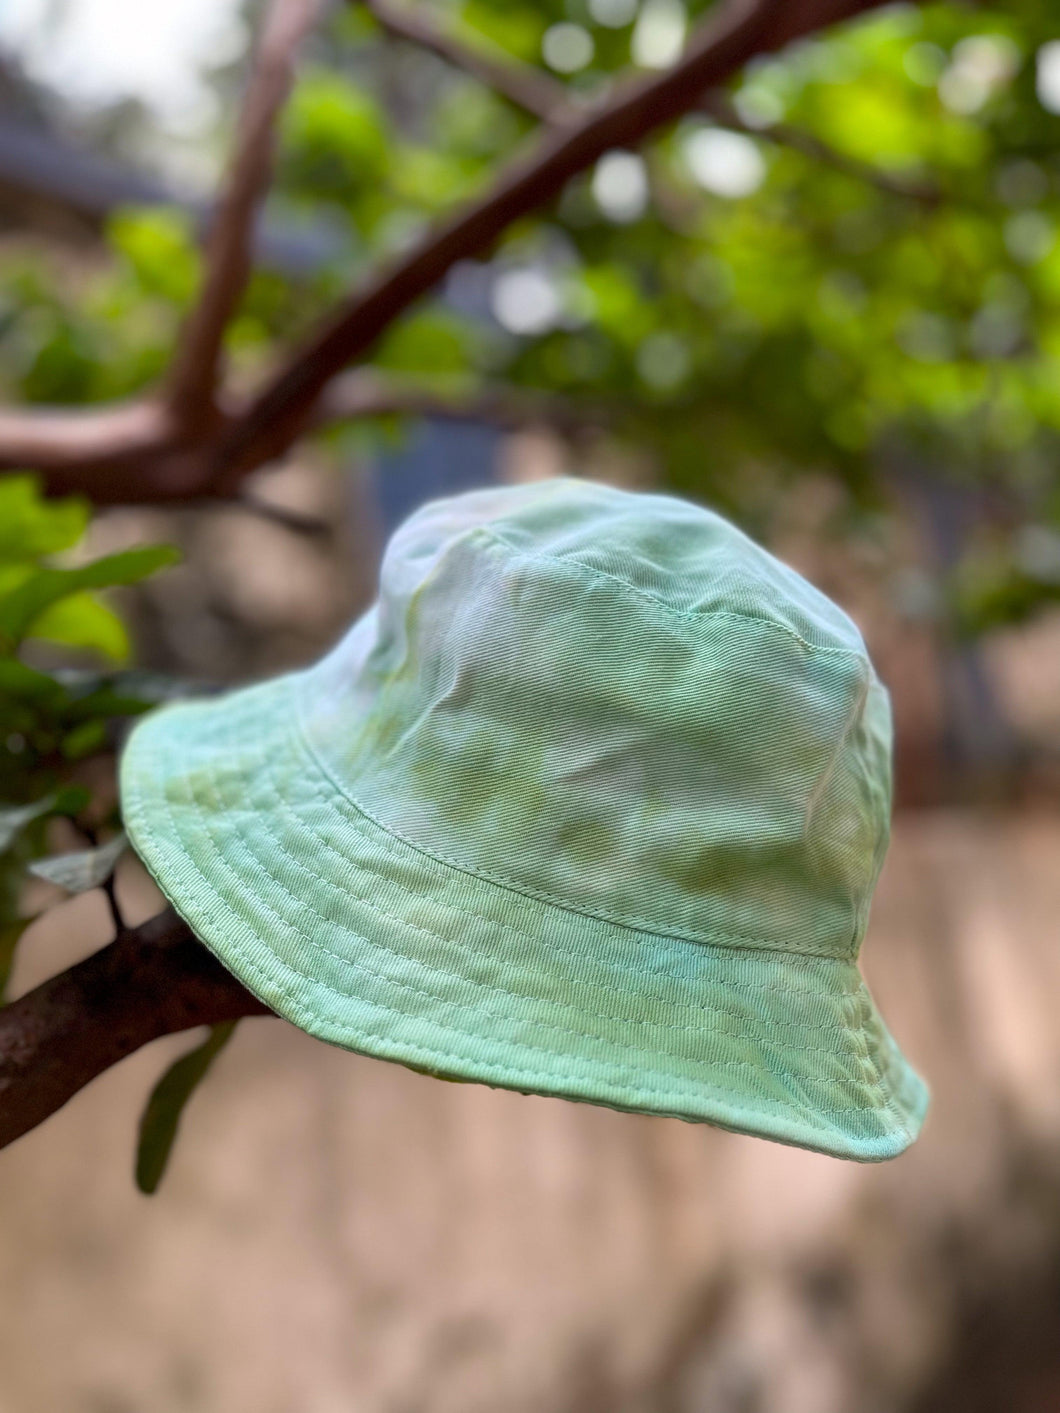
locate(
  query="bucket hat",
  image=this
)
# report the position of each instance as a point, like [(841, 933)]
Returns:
[(590, 803)]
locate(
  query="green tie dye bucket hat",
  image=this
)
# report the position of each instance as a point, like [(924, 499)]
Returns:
[(590, 803)]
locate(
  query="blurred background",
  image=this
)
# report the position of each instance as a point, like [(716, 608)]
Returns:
[(828, 305)]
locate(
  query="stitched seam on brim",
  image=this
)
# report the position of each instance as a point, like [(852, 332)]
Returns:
[(634, 924), (788, 1109), (386, 841), (260, 863), (841, 1026)]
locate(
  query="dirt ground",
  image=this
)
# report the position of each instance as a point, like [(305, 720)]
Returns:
[(339, 1235)]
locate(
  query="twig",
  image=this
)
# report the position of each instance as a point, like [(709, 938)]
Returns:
[(228, 259), (524, 86), (108, 885), (309, 525), (718, 107), (154, 980), (364, 392), (110, 892), (730, 36)]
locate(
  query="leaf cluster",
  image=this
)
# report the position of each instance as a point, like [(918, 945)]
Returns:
[(51, 721)]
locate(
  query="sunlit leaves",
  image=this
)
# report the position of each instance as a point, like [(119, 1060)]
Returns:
[(161, 251), (31, 526), (79, 333), (426, 342), (83, 621), (519, 29), (335, 140), (22, 608)]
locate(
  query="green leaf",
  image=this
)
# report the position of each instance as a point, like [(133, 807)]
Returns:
[(23, 606), (161, 1116), (17, 681), (70, 800), (96, 694), (83, 621), (517, 29), (10, 936), (426, 342), (335, 139), (160, 248), (88, 868), (31, 526), (14, 818), (85, 739)]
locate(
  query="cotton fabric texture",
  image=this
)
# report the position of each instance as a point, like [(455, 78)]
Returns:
[(590, 803)]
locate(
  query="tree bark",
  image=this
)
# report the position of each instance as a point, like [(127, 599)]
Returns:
[(153, 980)]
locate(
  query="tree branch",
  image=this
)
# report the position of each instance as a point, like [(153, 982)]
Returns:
[(153, 981), (51, 438), (133, 455), (729, 38), (527, 88), (146, 451), (196, 369), (139, 454), (541, 96), (128, 454), (524, 86)]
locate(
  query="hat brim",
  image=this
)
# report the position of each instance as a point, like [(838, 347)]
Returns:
[(370, 943)]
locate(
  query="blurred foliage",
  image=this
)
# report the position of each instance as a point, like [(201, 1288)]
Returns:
[(751, 311), (747, 309)]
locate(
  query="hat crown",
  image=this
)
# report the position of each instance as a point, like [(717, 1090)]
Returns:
[(621, 704)]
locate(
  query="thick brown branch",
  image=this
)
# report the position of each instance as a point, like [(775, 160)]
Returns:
[(535, 92), (527, 88), (196, 369), (153, 981), (48, 438), (128, 453), (132, 454), (124, 454), (727, 41)]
